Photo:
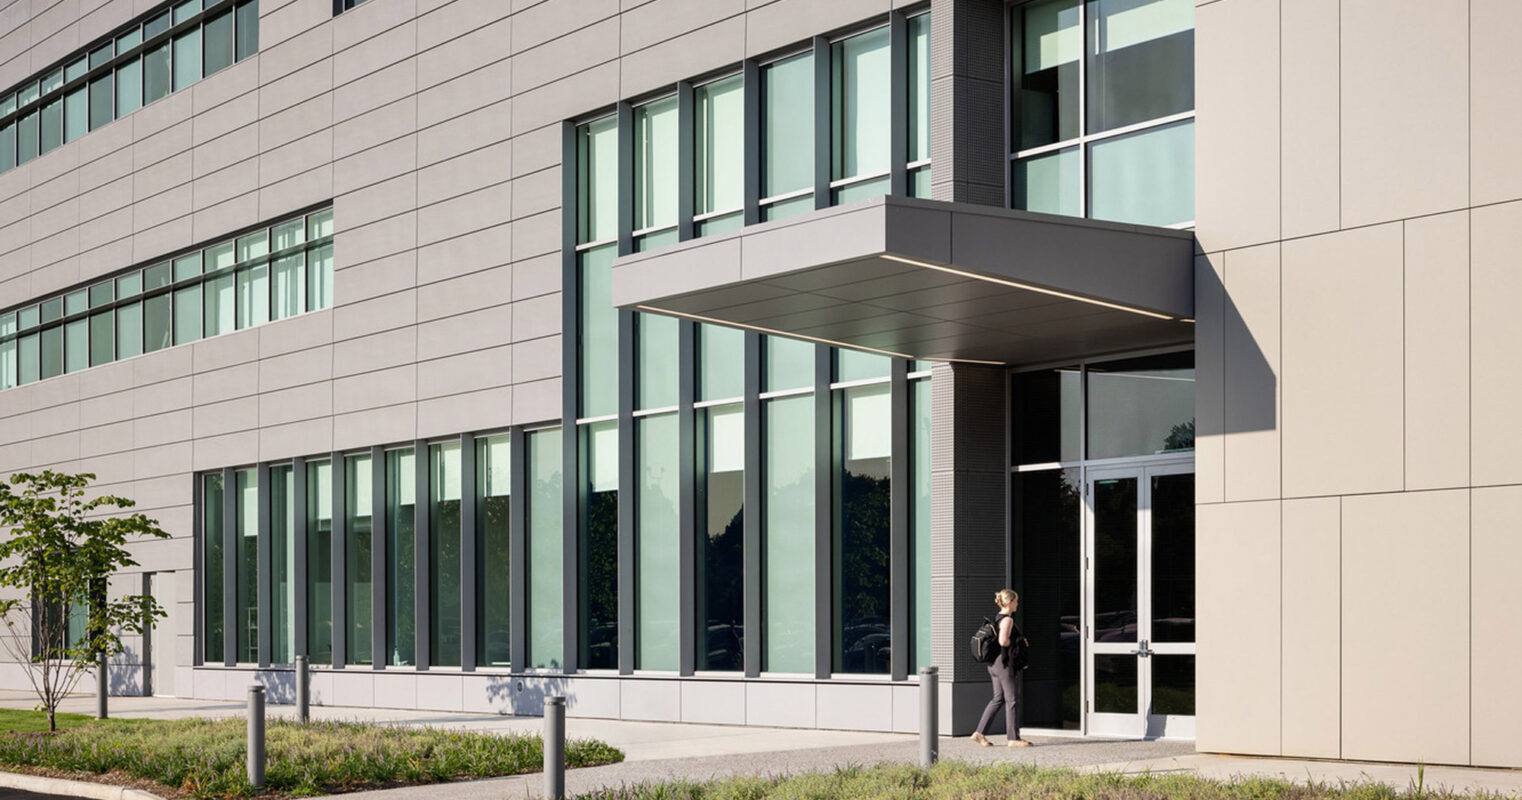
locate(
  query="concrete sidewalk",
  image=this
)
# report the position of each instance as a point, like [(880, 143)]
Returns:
[(673, 751)]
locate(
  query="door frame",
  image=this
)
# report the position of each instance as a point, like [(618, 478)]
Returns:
[(1142, 723)]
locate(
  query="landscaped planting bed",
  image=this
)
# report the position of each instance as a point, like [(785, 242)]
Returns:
[(963, 781), (205, 758)]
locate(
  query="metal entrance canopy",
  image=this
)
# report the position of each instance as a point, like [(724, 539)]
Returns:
[(930, 279)]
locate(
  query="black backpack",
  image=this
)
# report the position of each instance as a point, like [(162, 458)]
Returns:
[(985, 646)]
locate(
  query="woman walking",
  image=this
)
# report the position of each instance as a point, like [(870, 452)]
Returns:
[(1003, 674)]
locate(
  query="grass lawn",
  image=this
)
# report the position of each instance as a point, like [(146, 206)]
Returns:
[(12, 719), (959, 780), (205, 758)]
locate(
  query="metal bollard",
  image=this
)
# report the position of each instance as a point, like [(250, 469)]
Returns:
[(303, 678), (554, 748), (102, 687), (256, 736), (929, 716)]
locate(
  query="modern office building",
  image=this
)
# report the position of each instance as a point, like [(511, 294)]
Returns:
[(717, 360)]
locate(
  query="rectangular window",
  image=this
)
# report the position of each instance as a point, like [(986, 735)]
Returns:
[(187, 58), (401, 558), (657, 546), (1141, 61), (76, 113), (129, 330), (28, 359), (282, 491), (320, 277), (52, 126), (156, 74), (597, 181), (76, 345), (1045, 510), (787, 126), (863, 496), (319, 543), (129, 87), (599, 333), (102, 338), (253, 295), (655, 164), (52, 351), (248, 29), (789, 364), (855, 365), (220, 315), (288, 282), (26, 138), (187, 314), (720, 581), (444, 554), (211, 568), (102, 101), (788, 538), (493, 552), (919, 104), (1051, 183), (1047, 74), (1145, 177), (158, 322), (546, 537), (656, 370), (219, 42), (358, 529), (862, 96), (721, 362), (598, 637), (8, 364), (7, 147), (246, 613), (919, 526), (719, 139)]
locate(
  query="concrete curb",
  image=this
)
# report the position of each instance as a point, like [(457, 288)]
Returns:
[(94, 791)]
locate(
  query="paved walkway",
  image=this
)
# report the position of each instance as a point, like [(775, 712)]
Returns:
[(664, 751)]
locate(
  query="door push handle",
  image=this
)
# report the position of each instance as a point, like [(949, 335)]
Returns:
[(1142, 651)]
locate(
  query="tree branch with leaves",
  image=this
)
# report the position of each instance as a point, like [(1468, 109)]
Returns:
[(57, 553)]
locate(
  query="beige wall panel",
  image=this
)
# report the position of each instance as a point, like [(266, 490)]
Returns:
[(1251, 311), (1405, 589), (1495, 97), (1496, 606), (1496, 339), (1237, 689), (1437, 351), (1396, 163), (1237, 124), (1312, 628), (1342, 363)]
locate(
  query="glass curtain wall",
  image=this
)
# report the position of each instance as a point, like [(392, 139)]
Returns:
[(719, 139), (493, 552), (212, 504), (444, 621), (1103, 104), (319, 544), (358, 531), (546, 537), (598, 565), (246, 612), (401, 557), (282, 492)]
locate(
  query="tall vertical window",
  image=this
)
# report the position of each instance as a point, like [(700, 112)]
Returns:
[(319, 544), (655, 173), (861, 99), (657, 542), (1103, 105), (599, 559), (401, 557), (358, 530), (212, 504), (721, 360), (493, 552), (444, 554), (246, 613), (597, 230), (919, 106), (187, 59), (862, 541), (283, 511), (787, 137), (720, 579), (788, 538), (719, 141), (656, 370), (546, 540), (919, 522)]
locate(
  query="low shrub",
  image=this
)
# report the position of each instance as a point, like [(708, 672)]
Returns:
[(205, 757)]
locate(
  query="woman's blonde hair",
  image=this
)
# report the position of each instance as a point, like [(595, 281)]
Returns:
[(1005, 597)]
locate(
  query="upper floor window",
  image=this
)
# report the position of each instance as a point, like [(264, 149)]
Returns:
[(164, 52), (1102, 109), (340, 6)]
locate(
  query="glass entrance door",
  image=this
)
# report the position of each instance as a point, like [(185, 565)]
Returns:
[(1139, 625)]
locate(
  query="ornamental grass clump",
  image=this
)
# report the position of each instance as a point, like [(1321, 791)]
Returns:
[(205, 758), (953, 780)]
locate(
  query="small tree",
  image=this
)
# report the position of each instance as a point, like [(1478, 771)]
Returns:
[(56, 558)]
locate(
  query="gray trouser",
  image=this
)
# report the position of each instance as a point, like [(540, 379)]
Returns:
[(1004, 695)]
